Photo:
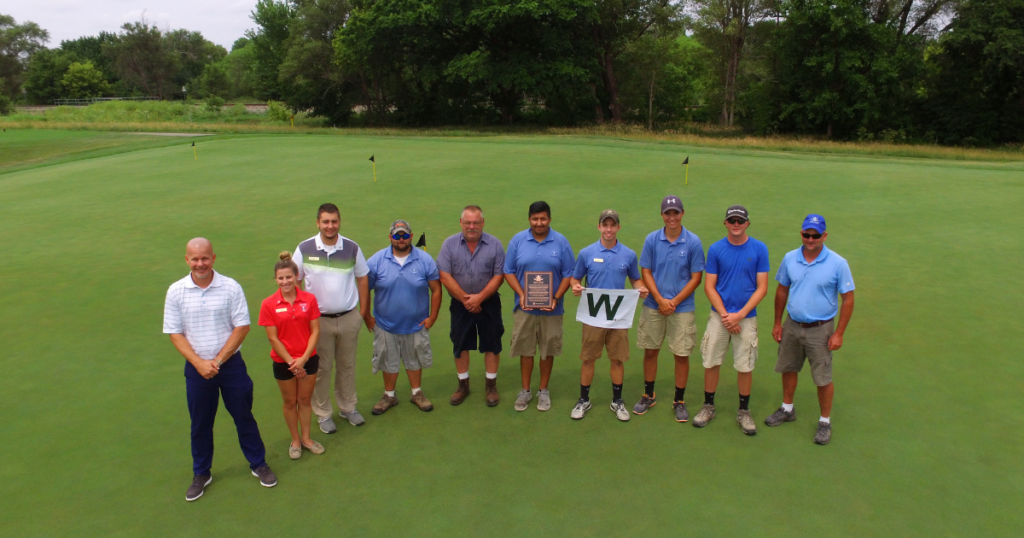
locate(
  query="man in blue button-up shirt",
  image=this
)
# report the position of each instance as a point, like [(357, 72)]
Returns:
[(541, 249), (811, 281), (406, 289)]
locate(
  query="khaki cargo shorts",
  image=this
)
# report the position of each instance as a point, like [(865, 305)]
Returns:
[(530, 332), (680, 329), (717, 338), (811, 343), (596, 339), (390, 351)]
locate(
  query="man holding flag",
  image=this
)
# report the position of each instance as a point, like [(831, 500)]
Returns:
[(605, 264)]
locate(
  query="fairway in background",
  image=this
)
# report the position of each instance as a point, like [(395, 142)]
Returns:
[(926, 426)]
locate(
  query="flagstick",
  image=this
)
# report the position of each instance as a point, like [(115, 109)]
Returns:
[(375, 172), (195, 153), (687, 182)]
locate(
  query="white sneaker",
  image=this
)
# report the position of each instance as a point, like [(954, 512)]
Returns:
[(581, 409), (543, 400), (523, 400), (619, 408)]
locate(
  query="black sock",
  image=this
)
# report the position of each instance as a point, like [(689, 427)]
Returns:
[(744, 401), (616, 392), (585, 392), (709, 398), (679, 394), (649, 388)]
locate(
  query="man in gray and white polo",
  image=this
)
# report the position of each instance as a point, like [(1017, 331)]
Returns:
[(334, 270)]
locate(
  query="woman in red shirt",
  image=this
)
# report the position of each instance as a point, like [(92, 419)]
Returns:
[(291, 317)]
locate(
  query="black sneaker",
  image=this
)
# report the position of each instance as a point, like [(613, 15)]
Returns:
[(267, 477), (199, 483), (779, 416)]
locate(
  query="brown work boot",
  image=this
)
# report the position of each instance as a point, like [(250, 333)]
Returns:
[(386, 402), (462, 392), (421, 401), (491, 388)]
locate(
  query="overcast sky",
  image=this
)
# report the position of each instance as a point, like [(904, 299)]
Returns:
[(220, 21)]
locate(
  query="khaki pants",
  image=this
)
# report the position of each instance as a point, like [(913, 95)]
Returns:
[(337, 346)]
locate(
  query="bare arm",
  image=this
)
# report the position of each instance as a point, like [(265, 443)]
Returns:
[(781, 298), (234, 342), (688, 289), (453, 287), (576, 286), (277, 345), (363, 287), (638, 285), (714, 298), (472, 301), (435, 303), (562, 288), (665, 307), (206, 368), (845, 313), (732, 320)]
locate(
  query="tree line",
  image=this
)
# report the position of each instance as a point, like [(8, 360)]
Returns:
[(941, 71)]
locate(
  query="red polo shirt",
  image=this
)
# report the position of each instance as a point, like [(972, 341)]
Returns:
[(292, 321)]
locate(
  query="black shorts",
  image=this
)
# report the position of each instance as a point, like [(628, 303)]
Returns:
[(466, 326), (282, 373)]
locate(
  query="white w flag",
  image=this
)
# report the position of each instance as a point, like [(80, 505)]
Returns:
[(607, 309)]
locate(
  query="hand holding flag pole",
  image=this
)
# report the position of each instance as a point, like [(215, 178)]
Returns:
[(372, 160), (686, 162)]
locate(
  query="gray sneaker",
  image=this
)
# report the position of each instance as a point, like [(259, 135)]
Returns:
[(646, 402), (580, 410), (707, 412), (543, 400), (682, 415), (267, 477), (824, 434), (779, 416), (619, 408), (523, 400), (746, 423), (353, 417), (199, 483), (327, 425)]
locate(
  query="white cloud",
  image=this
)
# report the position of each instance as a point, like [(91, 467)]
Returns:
[(220, 21)]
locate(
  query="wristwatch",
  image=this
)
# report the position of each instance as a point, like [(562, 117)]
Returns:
[(219, 364)]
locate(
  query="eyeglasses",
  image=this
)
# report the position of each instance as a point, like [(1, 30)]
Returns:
[(736, 221), (811, 236), (397, 237)]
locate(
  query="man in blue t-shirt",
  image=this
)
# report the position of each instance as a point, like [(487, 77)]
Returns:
[(737, 280), (811, 281), (672, 264), (537, 249), (606, 264), (406, 289)]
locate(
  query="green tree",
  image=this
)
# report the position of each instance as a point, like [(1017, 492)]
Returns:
[(83, 81), (310, 76), (192, 53), (43, 76), (662, 76), (17, 43), (141, 57), (91, 48), (273, 20)]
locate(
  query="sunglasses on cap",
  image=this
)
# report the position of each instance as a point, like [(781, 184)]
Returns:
[(810, 236), (400, 236), (736, 220)]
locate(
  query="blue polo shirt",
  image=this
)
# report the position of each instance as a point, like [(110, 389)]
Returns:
[(401, 298), (606, 268), (737, 267), (671, 264), (814, 287), (552, 254)]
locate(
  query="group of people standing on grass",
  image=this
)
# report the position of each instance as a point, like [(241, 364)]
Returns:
[(314, 331)]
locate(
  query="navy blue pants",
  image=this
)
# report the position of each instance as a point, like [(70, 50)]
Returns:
[(234, 384)]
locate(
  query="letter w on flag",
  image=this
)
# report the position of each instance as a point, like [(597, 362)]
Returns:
[(607, 309)]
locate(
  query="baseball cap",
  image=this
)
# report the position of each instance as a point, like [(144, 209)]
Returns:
[(608, 214), (737, 211), (671, 202), (400, 225), (814, 222)]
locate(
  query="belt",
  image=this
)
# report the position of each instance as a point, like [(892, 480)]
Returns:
[(338, 315), (813, 323)]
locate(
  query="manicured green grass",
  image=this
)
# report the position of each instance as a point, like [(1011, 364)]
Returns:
[(927, 426)]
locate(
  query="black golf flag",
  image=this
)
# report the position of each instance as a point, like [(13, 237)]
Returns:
[(422, 243), (685, 161), (371, 159)]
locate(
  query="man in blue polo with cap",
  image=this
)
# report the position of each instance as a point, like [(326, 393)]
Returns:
[(812, 279)]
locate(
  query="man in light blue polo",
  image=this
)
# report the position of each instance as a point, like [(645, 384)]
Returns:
[(672, 265), (811, 281), (605, 265), (538, 248), (406, 289)]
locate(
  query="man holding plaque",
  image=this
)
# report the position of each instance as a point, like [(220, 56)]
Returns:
[(606, 264), (672, 265), (538, 267)]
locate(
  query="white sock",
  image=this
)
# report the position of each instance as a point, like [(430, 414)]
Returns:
[(416, 391), (489, 375), (390, 393), (464, 375), (826, 420), (787, 407)]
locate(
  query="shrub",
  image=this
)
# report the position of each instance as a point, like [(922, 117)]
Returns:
[(213, 104), (278, 111), (5, 105)]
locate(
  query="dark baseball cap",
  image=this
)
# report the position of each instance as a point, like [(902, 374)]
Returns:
[(814, 222), (737, 211), (400, 225), (671, 202), (608, 214)]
